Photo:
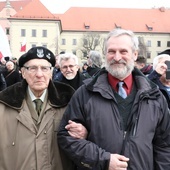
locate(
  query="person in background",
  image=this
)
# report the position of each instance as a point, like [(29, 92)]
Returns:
[(126, 115), (2, 70), (57, 75), (84, 70), (158, 76), (7, 58), (84, 67), (30, 113), (69, 67), (11, 75), (94, 62), (2, 65), (15, 61), (141, 64)]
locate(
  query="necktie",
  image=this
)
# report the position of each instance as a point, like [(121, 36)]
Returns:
[(121, 90), (38, 104)]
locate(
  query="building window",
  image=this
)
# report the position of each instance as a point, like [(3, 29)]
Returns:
[(23, 33), (158, 52), (33, 33), (74, 52), (74, 42), (118, 26), (33, 45), (168, 43), (44, 45), (148, 43), (44, 33), (63, 51), (7, 31), (150, 28), (86, 25), (158, 43), (63, 41), (148, 54)]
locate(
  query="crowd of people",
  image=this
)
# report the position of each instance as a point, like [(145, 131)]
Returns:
[(9, 72), (58, 115)]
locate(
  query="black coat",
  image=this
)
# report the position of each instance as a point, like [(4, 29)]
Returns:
[(2, 82), (12, 77), (76, 82), (146, 142), (155, 77)]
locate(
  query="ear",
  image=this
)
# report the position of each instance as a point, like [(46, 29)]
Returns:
[(23, 72)]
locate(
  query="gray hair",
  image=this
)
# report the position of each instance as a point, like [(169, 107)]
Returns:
[(66, 57), (95, 58), (157, 59), (120, 32)]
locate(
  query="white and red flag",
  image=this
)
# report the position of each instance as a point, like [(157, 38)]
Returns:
[(4, 44), (23, 46), (1, 56)]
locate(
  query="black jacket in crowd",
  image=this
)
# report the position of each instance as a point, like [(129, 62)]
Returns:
[(146, 142)]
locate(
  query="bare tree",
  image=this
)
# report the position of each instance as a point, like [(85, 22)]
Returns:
[(102, 45), (142, 47), (89, 41)]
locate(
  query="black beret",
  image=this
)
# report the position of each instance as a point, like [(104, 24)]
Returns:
[(37, 53), (165, 52)]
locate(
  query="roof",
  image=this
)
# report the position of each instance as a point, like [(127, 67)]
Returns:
[(34, 10), (106, 19), (16, 4), (97, 19)]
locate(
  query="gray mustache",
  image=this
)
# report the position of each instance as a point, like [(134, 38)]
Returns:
[(118, 62)]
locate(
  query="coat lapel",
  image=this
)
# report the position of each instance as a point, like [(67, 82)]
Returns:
[(25, 118)]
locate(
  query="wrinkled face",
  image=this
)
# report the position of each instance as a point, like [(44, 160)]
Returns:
[(120, 57), (10, 65), (37, 73), (69, 68)]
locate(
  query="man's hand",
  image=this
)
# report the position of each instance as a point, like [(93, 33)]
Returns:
[(118, 162), (76, 130)]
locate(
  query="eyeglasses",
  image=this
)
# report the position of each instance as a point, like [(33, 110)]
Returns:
[(34, 69), (66, 67)]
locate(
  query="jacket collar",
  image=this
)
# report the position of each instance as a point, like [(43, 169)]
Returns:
[(100, 83), (59, 94)]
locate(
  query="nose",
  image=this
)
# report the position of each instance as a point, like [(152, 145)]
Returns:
[(117, 56), (68, 68), (39, 72)]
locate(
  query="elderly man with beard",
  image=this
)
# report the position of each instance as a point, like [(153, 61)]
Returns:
[(69, 67), (158, 76), (128, 126)]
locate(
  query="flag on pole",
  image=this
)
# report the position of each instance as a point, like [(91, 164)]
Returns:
[(1, 56), (23, 46), (4, 44)]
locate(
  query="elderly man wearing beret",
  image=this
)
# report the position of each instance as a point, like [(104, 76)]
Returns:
[(30, 113)]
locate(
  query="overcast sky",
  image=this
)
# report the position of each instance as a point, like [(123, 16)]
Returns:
[(58, 6)]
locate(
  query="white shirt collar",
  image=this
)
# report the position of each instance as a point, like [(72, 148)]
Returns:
[(33, 96)]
